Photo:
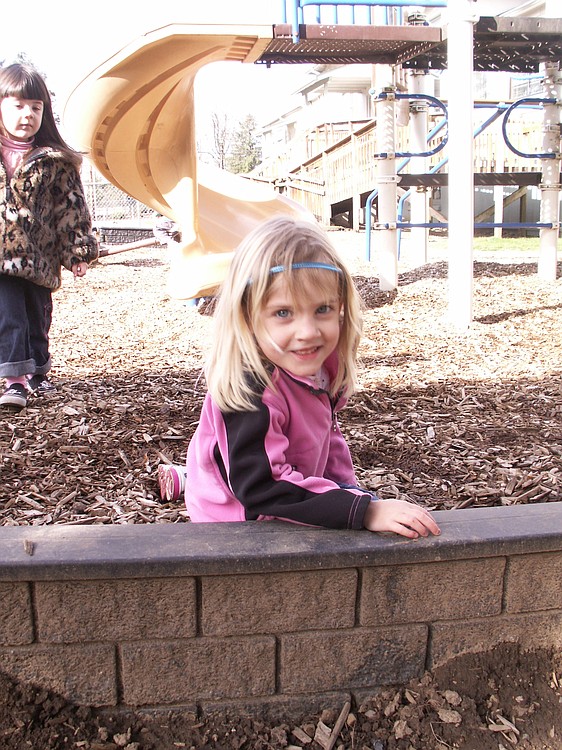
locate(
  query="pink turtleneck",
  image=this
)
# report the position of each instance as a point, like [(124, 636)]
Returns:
[(13, 153)]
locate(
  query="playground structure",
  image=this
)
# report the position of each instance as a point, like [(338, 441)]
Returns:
[(202, 618), (134, 116)]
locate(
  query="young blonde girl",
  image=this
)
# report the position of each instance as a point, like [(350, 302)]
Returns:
[(44, 224), (282, 365)]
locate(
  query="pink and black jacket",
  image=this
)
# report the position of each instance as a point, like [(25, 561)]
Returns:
[(287, 460)]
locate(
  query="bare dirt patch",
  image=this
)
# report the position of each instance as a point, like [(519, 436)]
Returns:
[(449, 419), (475, 702)]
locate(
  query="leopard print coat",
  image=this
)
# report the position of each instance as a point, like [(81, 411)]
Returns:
[(44, 220)]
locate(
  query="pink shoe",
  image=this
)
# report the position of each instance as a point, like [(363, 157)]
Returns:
[(171, 481)]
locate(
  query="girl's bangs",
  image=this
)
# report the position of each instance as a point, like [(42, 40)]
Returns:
[(300, 281), (26, 87)]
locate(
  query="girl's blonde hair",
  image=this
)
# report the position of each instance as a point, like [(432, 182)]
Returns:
[(24, 82), (236, 366)]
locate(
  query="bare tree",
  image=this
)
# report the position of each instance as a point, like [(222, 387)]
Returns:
[(222, 137), (235, 149)]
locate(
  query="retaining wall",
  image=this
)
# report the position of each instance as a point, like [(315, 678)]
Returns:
[(122, 235), (269, 617)]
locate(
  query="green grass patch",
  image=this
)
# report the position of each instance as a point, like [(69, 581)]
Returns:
[(503, 244)]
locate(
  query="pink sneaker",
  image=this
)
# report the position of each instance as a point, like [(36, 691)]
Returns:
[(171, 481)]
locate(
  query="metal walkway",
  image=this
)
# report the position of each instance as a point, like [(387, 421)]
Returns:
[(500, 44)]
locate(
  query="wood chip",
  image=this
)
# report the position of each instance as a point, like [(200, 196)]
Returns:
[(447, 420), (449, 716)]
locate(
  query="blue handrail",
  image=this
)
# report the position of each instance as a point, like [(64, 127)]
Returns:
[(477, 224), (371, 3), (518, 103), (400, 167), (433, 100), (531, 102), (400, 213), (293, 9)]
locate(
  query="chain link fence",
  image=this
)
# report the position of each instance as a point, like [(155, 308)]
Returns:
[(116, 216)]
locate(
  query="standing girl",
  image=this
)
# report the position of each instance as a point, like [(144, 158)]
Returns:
[(44, 224), (282, 365)]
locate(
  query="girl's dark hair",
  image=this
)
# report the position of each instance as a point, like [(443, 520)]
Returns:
[(24, 82)]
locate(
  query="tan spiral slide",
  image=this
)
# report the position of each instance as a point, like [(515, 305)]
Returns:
[(134, 118)]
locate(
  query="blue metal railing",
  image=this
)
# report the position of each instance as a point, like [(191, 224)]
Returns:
[(477, 225), (371, 198), (423, 97), (292, 10), (520, 102), (480, 129), (528, 102)]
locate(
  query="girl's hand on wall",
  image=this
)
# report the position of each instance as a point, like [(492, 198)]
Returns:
[(79, 269), (401, 517)]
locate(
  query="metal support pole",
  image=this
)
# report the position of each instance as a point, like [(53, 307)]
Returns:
[(355, 191), (326, 205), (498, 189), (550, 185), (386, 182), (461, 17), (418, 134)]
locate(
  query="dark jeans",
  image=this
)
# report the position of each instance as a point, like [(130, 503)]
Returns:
[(26, 311)]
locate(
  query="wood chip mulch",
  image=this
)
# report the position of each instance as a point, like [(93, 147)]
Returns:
[(449, 419)]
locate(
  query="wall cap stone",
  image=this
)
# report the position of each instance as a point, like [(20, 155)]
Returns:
[(60, 552)]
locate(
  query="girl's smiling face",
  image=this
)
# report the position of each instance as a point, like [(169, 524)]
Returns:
[(298, 335), (21, 117)]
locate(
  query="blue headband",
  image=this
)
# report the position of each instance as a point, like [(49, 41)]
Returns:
[(306, 264)]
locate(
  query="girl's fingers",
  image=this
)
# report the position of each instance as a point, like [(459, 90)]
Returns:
[(405, 530), (417, 523), (424, 518), (80, 269), (401, 517)]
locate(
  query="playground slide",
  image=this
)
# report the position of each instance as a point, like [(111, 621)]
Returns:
[(134, 118)]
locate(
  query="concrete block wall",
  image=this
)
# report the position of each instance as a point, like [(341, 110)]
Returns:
[(266, 617), (122, 235)]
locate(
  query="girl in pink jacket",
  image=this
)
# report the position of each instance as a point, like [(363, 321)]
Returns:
[(283, 364)]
